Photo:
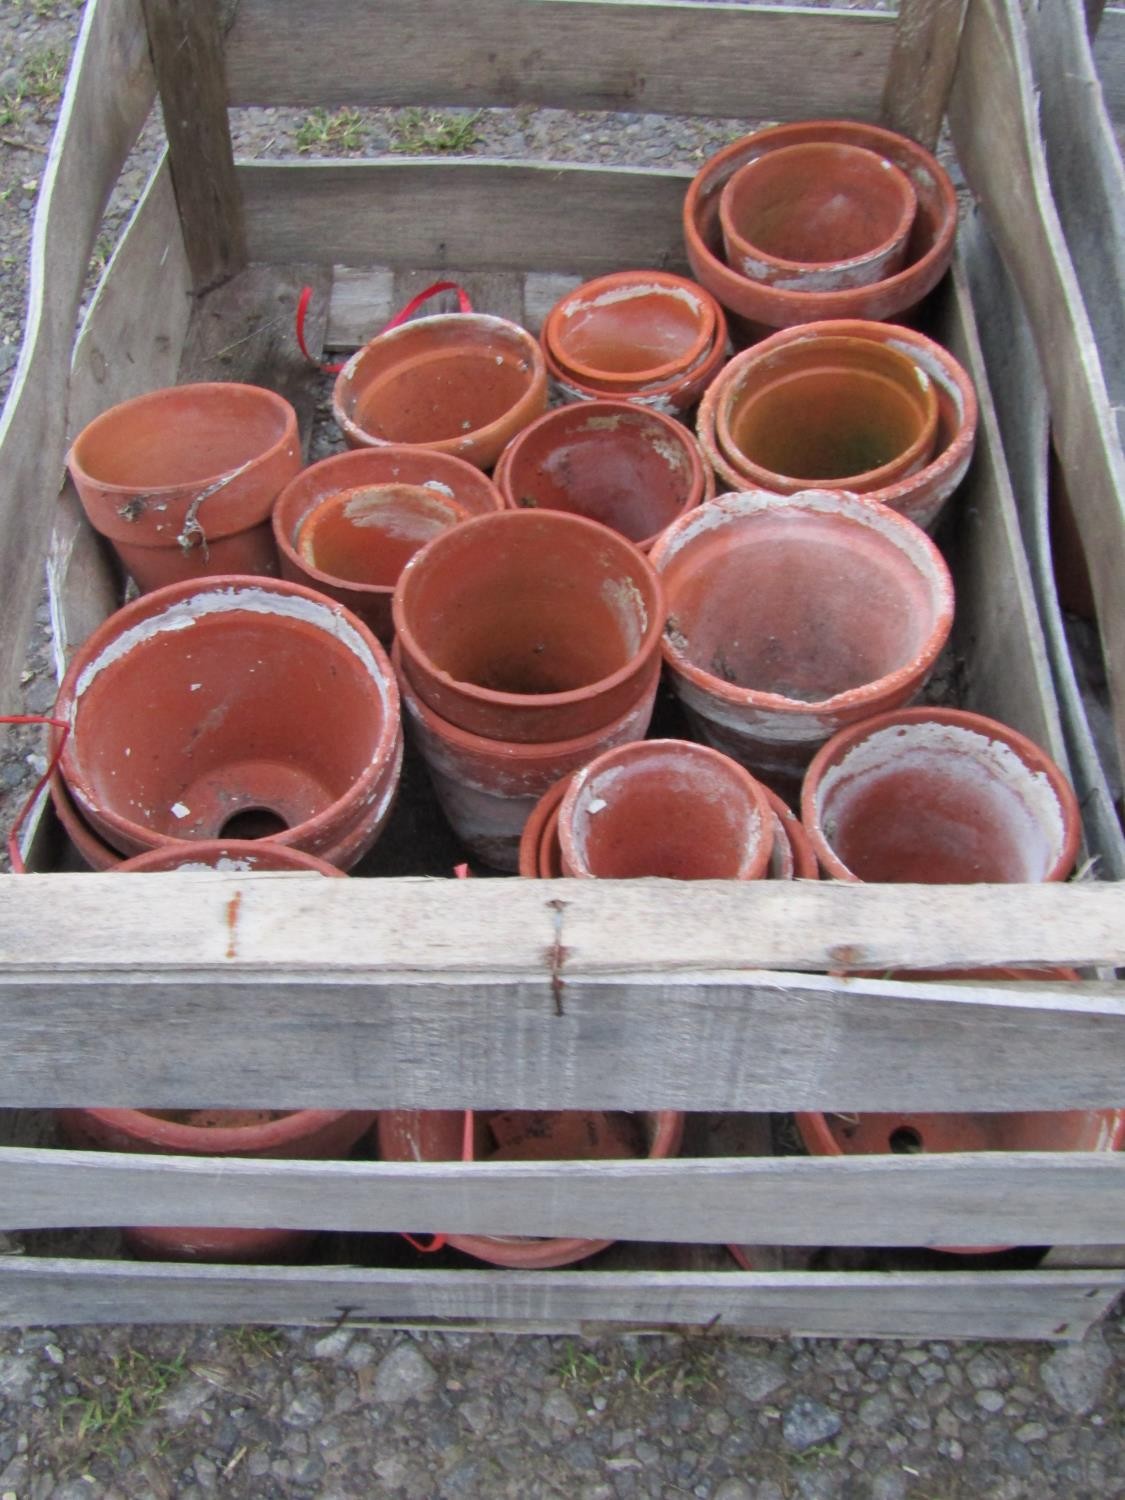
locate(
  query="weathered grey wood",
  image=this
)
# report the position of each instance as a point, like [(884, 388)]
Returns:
[(749, 61), (187, 57), (1109, 57), (514, 216), (993, 117), (922, 64), (1094, 10), (108, 94), (362, 301), (496, 292), (978, 1197), (956, 1304)]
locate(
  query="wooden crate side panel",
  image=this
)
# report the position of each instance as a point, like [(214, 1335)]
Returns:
[(974, 1198), (725, 60), (1109, 58), (108, 95), (923, 61), (957, 1304)]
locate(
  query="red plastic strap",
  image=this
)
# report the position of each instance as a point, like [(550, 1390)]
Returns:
[(14, 853), (411, 307), (439, 1240)]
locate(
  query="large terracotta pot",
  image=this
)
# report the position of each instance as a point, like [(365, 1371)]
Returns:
[(757, 309), (917, 490), (460, 383), (633, 470), (665, 808), (790, 616), (529, 626), (631, 329), (939, 796), (181, 481), (233, 705), (438, 1135)]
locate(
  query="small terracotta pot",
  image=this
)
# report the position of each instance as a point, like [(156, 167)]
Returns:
[(838, 412), (919, 491), (437, 1135), (674, 396), (227, 705), (303, 1135), (942, 797), (181, 480), (460, 383), (665, 808), (819, 217), (352, 545), (529, 626), (489, 788), (790, 616), (232, 855), (631, 328), (633, 470), (758, 309)]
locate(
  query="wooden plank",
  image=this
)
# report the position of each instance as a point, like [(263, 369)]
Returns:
[(972, 1198), (738, 61), (993, 118), (363, 300), (955, 1304), (1109, 58), (90, 144), (491, 215), (923, 60), (187, 57)]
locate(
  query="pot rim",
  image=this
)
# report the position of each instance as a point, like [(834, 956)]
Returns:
[(646, 282), (656, 396), (162, 860), (388, 454), (222, 1140), (908, 537)]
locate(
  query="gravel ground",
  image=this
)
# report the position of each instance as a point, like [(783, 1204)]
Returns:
[(262, 1412)]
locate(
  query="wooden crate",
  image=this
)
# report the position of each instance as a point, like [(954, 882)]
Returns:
[(282, 991)]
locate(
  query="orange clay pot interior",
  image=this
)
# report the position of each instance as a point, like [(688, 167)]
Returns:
[(368, 535), (910, 1134), (636, 325)]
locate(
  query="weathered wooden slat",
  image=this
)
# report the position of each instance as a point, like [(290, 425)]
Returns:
[(108, 95), (491, 215), (1109, 57), (981, 1197), (956, 1304), (921, 68), (752, 61), (187, 57)]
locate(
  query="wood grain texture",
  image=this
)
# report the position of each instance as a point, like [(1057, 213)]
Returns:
[(957, 1304), (922, 64), (992, 114), (187, 57), (108, 95), (1109, 59), (749, 62), (490, 215)]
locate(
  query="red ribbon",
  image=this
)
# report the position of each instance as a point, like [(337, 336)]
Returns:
[(14, 852), (408, 311)]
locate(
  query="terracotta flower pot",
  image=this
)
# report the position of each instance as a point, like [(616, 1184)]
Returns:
[(790, 616), (437, 1135), (232, 706), (674, 396), (352, 545), (304, 1135), (838, 412), (489, 788), (631, 328), (233, 855), (939, 796), (818, 217), (460, 383), (633, 470), (757, 309), (529, 626), (181, 480), (666, 808), (919, 490)]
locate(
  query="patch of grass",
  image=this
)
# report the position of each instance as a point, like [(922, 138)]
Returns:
[(325, 133), (255, 1341), (133, 1387), (422, 132), (582, 1367), (44, 75)]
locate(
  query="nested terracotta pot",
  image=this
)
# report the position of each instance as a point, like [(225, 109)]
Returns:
[(666, 808), (821, 216), (352, 545), (631, 328), (459, 383), (939, 796), (752, 424), (674, 396), (230, 855), (488, 788), (757, 309), (529, 626), (181, 481), (633, 470), (790, 616), (437, 1135), (230, 707)]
